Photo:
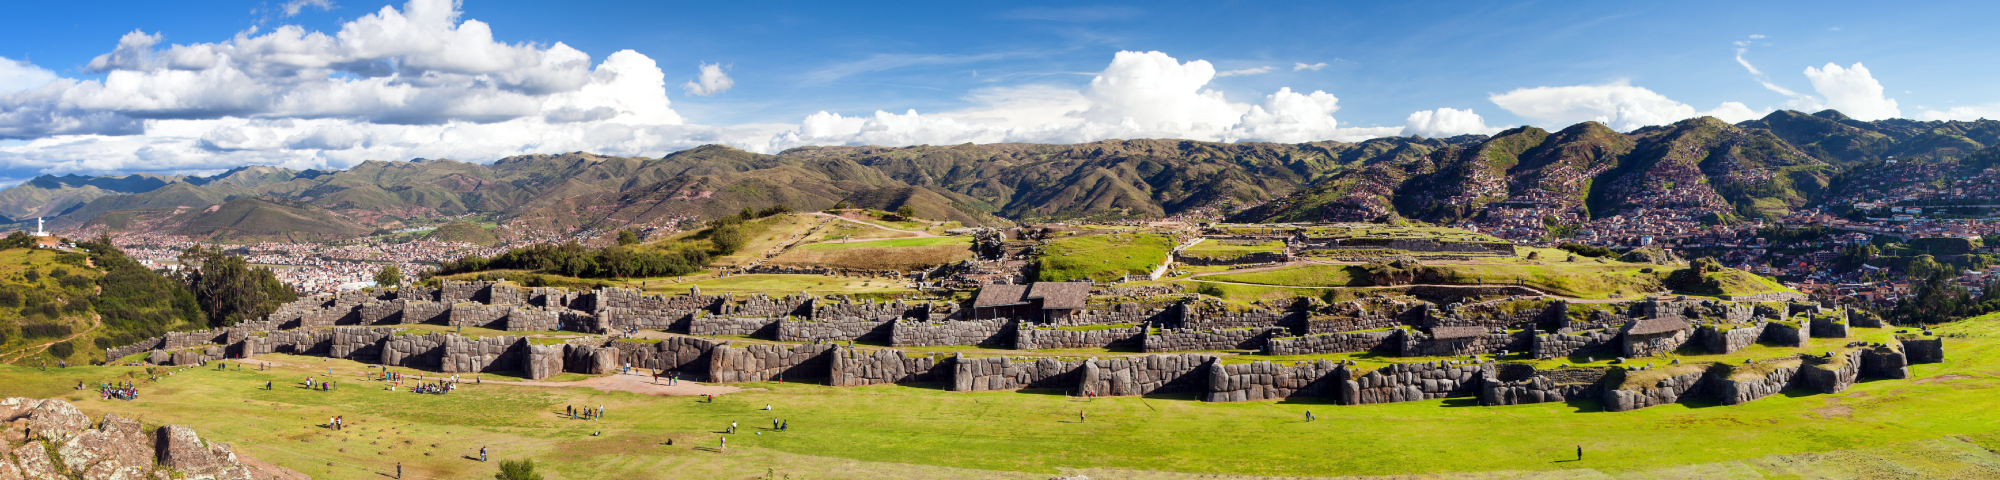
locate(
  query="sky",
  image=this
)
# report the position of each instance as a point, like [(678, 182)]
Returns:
[(175, 88)]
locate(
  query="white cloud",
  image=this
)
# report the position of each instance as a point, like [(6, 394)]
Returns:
[(18, 75), (1853, 91), (1619, 105), (1302, 66), (419, 82), (712, 81), (293, 7), (1445, 122), (1139, 95), (1246, 71), (1966, 113), (1754, 36)]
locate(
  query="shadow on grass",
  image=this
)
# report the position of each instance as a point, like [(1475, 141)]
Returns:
[(1584, 405), (1798, 392)]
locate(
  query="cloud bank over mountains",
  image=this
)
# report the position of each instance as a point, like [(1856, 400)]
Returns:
[(422, 82)]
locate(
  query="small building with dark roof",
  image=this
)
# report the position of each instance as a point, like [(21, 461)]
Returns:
[(1655, 336), (1041, 302)]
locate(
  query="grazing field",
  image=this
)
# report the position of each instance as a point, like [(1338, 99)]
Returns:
[(1937, 425), (901, 254), (1224, 250), (782, 284), (1102, 257), (1550, 271)]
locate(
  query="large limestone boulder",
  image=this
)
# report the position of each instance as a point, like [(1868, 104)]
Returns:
[(35, 461), (7, 469), (159, 357), (107, 454), (57, 421), (180, 448)]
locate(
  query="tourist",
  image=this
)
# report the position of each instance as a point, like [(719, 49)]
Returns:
[(786, 425), (1309, 415), (732, 428), (399, 469), (774, 424), (482, 453), (1079, 416), (725, 446), (1579, 453), (570, 410)]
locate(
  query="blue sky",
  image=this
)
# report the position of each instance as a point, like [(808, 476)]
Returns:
[(989, 71)]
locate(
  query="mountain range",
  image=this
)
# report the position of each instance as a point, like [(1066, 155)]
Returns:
[(1760, 168)]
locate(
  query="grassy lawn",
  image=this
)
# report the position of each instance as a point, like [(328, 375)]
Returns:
[(1300, 276), (1222, 250), (900, 254), (769, 233), (785, 284), (1103, 257), (923, 432)]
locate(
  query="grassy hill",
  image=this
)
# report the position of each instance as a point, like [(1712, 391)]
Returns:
[(57, 305), (252, 219), (1102, 256)]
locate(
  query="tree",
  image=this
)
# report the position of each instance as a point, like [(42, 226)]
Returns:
[(517, 470), (389, 276), (727, 239), (628, 237), (907, 212), (231, 291)]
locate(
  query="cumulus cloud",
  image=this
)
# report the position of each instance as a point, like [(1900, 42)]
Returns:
[(1302, 66), (1619, 105), (18, 75), (1446, 122), (1245, 71), (1966, 113), (1853, 91), (293, 7), (712, 81), (421, 82), (1139, 95)]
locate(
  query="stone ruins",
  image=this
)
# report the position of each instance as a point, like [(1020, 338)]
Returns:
[(112, 448), (1457, 342)]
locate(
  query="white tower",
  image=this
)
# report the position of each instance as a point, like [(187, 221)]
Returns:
[(38, 228)]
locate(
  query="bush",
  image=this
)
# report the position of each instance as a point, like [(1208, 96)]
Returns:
[(728, 239), (1585, 250), (62, 349), (10, 298), (517, 470), (45, 330)]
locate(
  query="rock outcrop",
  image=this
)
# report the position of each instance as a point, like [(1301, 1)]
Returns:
[(114, 449)]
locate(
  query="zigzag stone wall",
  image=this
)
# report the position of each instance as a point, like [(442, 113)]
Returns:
[(846, 328), (1183, 340), (1147, 375), (1383, 341), (1565, 343), (762, 363), (1269, 381), (1034, 338), (1009, 373), (851, 368), (765, 327), (1923, 350), (1728, 338), (966, 332), (1673, 389), (1779, 374), (1407, 382), (1417, 344)]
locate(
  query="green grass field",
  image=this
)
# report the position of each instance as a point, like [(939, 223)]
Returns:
[(782, 284), (1221, 250), (1550, 271), (1102, 257), (893, 242), (1938, 425)]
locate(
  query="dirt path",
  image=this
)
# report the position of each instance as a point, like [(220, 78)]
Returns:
[(95, 322), (636, 384), (918, 233)]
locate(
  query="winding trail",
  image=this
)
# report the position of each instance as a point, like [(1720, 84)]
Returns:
[(22, 354)]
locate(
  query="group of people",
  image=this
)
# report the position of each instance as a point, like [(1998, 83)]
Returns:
[(319, 385), (586, 413), (439, 388), (121, 392), (336, 423)]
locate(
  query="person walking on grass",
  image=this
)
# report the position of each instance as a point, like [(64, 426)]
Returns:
[(1579, 453), (1309, 415), (482, 453), (724, 448), (1079, 416)]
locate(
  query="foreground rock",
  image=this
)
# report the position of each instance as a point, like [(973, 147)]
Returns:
[(112, 449)]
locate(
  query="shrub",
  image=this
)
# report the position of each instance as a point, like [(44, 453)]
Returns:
[(1585, 250), (62, 349), (44, 330), (517, 470)]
